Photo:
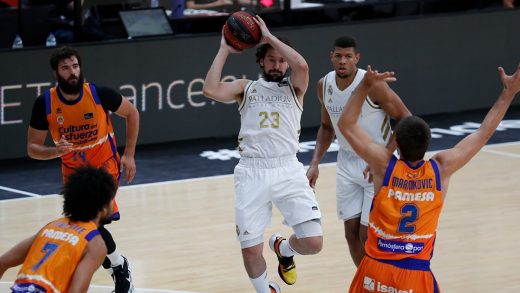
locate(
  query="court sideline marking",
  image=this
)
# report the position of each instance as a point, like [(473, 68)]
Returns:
[(33, 195), (20, 191)]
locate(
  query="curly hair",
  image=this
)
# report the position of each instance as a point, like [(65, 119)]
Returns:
[(86, 192), (61, 53)]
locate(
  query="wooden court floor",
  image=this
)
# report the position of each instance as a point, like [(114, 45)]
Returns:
[(180, 236)]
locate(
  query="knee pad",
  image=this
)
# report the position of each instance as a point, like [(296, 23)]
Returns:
[(308, 229)]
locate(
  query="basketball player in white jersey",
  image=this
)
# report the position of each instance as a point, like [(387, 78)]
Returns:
[(269, 172), (354, 189)]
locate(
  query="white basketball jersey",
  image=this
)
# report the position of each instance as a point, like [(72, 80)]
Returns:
[(270, 120), (372, 119)]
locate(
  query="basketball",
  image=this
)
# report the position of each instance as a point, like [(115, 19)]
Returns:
[(241, 31)]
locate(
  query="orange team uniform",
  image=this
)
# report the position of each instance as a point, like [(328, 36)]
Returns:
[(87, 126), (53, 257), (401, 231)]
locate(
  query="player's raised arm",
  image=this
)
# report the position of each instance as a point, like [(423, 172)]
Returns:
[(377, 156), (216, 89), (453, 159), (298, 65)]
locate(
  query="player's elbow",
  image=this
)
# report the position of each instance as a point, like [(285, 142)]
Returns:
[(344, 127), (208, 90), (302, 66), (342, 124), (30, 152)]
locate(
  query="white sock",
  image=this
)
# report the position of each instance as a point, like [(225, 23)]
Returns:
[(115, 259), (261, 283), (286, 249)]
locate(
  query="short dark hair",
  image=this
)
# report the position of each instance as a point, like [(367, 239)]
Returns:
[(61, 53), (262, 49), (413, 136), (345, 42), (86, 192)]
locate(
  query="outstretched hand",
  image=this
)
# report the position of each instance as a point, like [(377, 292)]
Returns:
[(373, 76), (510, 82)]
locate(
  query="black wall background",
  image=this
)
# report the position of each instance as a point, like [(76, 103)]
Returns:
[(444, 63)]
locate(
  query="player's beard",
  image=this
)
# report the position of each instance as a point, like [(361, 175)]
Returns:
[(107, 220), (68, 86), (276, 77)]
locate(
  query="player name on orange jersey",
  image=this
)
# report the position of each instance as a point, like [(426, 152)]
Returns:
[(412, 184)]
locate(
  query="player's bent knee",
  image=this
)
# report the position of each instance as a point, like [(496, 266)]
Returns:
[(310, 233), (314, 244), (251, 254)]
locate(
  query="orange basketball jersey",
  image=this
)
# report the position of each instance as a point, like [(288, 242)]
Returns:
[(405, 212), (54, 255), (85, 124)]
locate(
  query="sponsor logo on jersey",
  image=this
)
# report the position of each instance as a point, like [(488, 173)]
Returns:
[(60, 235), (88, 116), (411, 196), (371, 285), (399, 246), (334, 109), (28, 287), (79, 134)]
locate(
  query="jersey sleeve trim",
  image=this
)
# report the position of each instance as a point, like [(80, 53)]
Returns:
[(94, 93), (372, 104), (48, 102), (435, 168), (295, 97), (389, 170), (241, 106), (92, 234), (324, 89)]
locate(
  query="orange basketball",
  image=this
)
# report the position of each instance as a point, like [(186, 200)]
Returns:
[(241, 31)]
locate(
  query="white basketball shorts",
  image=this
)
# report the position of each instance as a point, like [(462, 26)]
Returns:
[(261, 182), (354, 194)]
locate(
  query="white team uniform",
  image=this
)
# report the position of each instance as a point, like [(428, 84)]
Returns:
[(268, 171), (354, 193)]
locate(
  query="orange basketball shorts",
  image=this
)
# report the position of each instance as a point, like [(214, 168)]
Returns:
[(112, 166), (402, 276)]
